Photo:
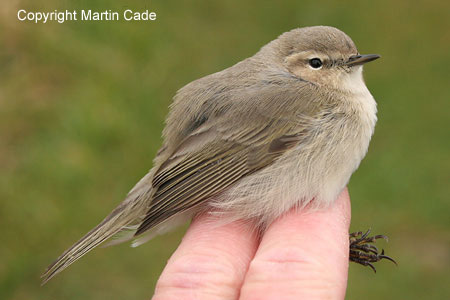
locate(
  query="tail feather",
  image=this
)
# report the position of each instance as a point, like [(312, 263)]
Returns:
[(132, 208), (92, 239)]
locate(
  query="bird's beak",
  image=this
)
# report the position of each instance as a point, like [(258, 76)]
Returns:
[(356, 60)]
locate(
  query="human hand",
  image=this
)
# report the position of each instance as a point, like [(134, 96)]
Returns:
[(302, 255)]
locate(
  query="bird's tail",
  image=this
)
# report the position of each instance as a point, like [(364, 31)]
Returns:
[(129, 211)]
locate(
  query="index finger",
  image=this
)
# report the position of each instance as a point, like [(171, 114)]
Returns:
[(303, 255)]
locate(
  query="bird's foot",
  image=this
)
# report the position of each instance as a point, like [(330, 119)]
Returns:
[(362, 250)]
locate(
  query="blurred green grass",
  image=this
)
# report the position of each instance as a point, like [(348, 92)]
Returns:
[(82, 105)]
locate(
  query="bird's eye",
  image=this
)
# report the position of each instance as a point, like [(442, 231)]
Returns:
[(315, 63)]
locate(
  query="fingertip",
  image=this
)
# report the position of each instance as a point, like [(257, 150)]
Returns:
[(304, 254), (342, 209), (210, 262)]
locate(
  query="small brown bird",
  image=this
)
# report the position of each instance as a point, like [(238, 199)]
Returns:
[(284, 128)]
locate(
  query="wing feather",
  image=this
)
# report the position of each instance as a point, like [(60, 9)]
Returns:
[(219, 163)]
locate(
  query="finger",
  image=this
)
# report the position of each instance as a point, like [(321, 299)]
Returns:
[(302, 255), (210, 263)]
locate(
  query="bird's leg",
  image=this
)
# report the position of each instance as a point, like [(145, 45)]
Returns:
[(363, 252)]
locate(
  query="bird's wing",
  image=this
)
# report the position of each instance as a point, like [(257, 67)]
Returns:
[(210, 160), (217, 134)]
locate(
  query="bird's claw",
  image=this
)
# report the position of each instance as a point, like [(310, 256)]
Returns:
[(363, 252)]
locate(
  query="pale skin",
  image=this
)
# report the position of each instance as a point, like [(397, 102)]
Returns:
[(302, 255)]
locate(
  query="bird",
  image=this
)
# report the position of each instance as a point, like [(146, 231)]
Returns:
[(282, 129)]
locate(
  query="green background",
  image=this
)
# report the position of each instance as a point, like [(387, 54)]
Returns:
[(82, 105)]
